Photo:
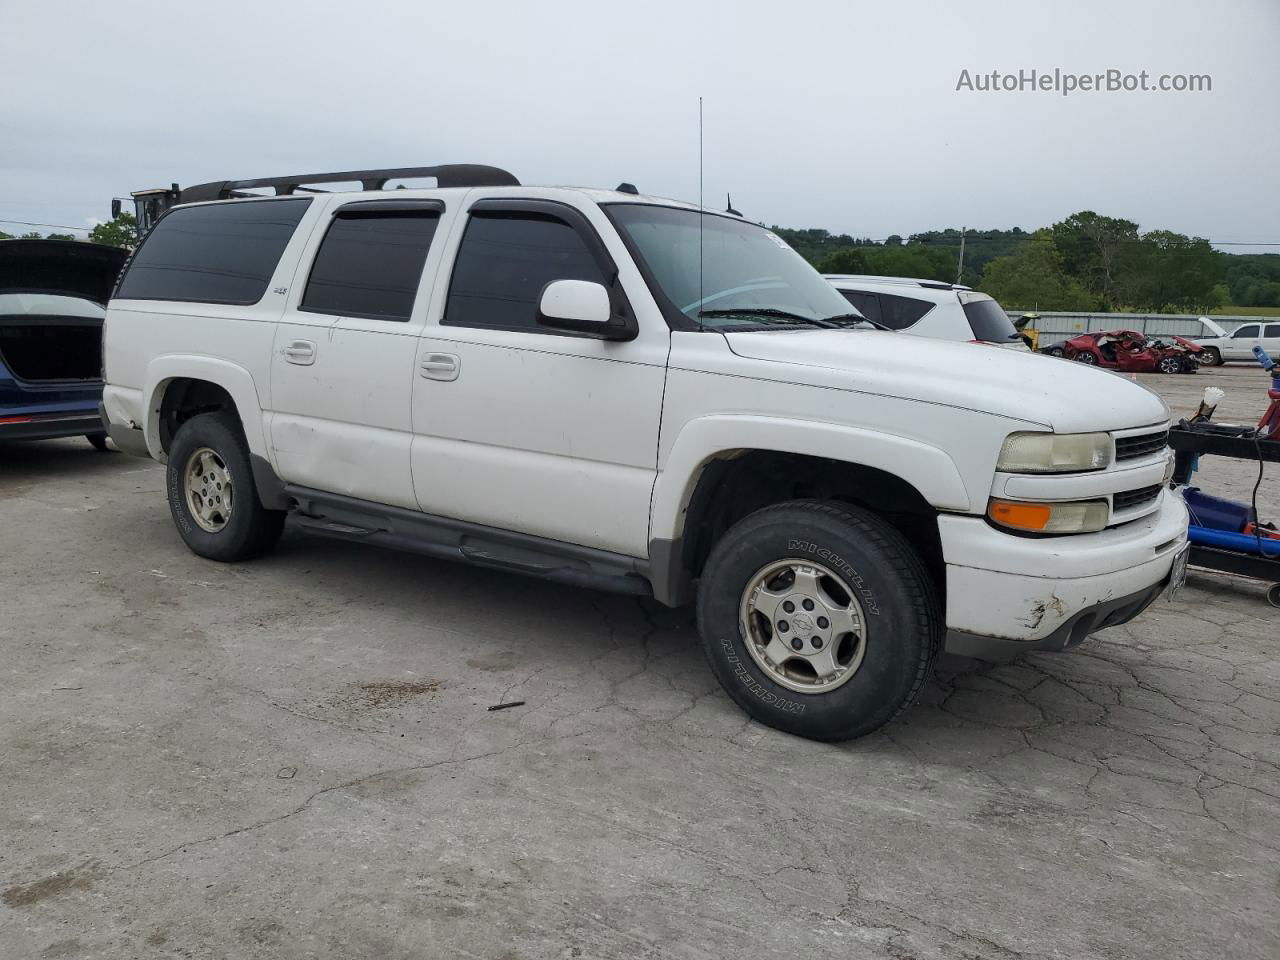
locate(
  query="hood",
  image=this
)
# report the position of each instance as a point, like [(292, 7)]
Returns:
[(1214, 328), (62, 267), (1067, 397)]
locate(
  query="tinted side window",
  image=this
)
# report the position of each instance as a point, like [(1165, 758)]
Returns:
[(504, 262), (218, 253), (989, 322), (898, 313), (369, 265), (868, 304), (1248, 330), (1271, 330)]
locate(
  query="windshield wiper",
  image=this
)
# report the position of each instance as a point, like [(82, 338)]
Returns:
[(844, 319), (768, 314)]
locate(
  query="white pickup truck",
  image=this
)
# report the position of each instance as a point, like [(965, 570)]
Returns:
[(629, 393)]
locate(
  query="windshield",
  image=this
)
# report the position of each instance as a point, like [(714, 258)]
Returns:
[(988, 321), (743, 268)]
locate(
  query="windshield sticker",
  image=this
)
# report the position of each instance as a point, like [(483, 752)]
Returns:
[(777, 239)]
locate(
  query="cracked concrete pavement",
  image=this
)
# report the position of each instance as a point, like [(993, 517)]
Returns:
[(294, 758)]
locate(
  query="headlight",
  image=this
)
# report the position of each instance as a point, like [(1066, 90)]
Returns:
[(1054, 452), (1071, 516)]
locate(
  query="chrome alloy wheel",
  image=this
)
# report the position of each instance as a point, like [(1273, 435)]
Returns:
[(803, 626), (206, 484)]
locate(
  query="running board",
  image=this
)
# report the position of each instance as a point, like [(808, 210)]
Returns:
[(346, 518)]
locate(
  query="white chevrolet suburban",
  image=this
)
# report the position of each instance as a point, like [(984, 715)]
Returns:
[(635, 394)]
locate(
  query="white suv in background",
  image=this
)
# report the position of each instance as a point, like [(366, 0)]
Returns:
[(1239, 343), (929, 308)]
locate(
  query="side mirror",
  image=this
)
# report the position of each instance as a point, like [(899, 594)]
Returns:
[(582, 306)]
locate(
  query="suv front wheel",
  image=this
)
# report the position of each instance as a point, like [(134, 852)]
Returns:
[(819, 619), (212, 496)]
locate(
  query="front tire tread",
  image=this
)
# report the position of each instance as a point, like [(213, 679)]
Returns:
[(899, 560)]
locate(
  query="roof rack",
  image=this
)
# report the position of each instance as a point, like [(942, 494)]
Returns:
[(446, 175), (876, 278)]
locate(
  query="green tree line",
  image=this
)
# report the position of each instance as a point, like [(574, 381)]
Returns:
[(120, 232), (1085, 262)]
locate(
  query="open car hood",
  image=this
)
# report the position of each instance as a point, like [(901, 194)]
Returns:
[(1214, 328), (69, 268)]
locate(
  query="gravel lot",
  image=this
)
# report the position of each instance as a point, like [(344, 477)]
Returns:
[(294, 758)]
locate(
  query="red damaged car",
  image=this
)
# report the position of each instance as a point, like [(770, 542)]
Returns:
[(1133, 352)]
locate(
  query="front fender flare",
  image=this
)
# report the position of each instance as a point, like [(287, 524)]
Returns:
[(930, 470)]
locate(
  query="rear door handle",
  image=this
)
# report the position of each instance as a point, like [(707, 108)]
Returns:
[(440, 366), (301, 352)]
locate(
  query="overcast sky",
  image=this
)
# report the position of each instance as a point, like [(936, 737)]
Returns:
[(840, 114)]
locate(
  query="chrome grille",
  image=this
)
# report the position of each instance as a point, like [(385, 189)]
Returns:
[(1142, 445)]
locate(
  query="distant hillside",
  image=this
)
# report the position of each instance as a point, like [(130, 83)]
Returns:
[(1085, 262)]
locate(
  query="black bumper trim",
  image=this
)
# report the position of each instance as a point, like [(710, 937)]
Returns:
[(50, 428), (1071, 633)]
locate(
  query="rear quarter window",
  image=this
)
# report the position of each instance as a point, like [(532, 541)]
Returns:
[(868, 304), (898, 313), (889, 309), (216, 253), (989, 322)]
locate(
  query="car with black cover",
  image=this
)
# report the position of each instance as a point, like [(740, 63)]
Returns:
[(53, 296)]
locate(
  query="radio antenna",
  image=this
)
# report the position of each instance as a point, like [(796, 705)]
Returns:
[(701, 214)]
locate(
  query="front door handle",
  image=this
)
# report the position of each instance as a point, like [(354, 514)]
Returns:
[(301, 352), (440, 366)]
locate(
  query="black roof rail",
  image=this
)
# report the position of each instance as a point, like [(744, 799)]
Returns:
[(446, 175)]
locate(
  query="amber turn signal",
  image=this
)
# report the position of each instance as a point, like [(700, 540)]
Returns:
[(1021, 516), (1073, 516)]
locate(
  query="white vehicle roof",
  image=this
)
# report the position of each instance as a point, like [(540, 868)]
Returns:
[(935, 291), (860, 278), (594, 194), (49, 305), (384, 183)]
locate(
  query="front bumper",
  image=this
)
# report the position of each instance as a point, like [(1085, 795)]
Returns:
[(1109, 613), (1008, 594)]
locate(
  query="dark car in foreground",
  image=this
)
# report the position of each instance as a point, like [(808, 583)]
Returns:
[(53, 296)]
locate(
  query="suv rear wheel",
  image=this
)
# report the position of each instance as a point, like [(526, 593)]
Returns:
[(819, 619), (212, 496)]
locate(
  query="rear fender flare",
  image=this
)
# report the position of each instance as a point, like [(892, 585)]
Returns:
[(234, 379)]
